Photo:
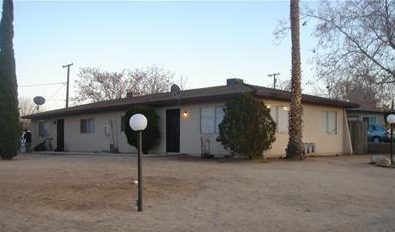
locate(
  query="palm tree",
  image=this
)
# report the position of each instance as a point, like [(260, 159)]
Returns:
[(294, 148)]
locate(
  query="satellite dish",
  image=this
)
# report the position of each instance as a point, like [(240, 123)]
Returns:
[(39, 100), (175, 90)]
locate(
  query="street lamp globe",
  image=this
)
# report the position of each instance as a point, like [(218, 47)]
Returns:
[(138, 122), (391, 118)]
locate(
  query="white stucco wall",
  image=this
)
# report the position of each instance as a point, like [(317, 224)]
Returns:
[(99, 141), (191, 138), (49, 132), (190, 135)]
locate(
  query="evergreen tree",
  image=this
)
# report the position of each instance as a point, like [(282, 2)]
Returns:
[(247, 128), (151, 134), (9, 117)]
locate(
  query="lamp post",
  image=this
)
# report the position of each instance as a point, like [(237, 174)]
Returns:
[(391, 121), (138, 122)]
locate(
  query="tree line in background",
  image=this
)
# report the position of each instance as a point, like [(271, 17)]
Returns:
[(355, 52), (96, 85)]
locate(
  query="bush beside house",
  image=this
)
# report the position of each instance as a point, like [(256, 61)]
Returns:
[(247, 128), (150, 134)]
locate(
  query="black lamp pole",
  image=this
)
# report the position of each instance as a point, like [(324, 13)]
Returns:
[(139, 178), (138, 123), (392, 142), (392, 133)]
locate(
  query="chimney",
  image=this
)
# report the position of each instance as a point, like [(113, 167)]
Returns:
[(234, 81)]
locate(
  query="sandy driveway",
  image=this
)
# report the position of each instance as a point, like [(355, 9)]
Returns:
[(96, 193)]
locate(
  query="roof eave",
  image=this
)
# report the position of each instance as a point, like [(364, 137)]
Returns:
[(126, 105)]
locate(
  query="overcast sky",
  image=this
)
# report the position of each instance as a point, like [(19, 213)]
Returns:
[(205, 42)]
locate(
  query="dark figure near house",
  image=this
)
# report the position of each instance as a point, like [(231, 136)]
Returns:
[(28, 140)]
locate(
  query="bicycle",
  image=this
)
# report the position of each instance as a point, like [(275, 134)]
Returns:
[(46, 145)]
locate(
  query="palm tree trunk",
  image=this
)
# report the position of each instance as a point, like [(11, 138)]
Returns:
[(294, 148)]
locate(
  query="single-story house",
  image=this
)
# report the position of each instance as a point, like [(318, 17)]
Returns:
[(189, 122)]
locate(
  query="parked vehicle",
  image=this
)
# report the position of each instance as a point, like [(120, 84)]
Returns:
[(378, 133)]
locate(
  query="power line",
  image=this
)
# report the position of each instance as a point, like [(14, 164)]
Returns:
[(37, 85), (55, 93)]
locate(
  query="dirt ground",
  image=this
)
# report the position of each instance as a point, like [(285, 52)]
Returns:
[(44, 193)]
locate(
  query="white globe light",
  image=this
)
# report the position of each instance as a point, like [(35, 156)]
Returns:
[(391, 118), (138, 122)]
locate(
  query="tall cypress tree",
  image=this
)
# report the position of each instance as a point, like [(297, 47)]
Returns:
[(9, 115)]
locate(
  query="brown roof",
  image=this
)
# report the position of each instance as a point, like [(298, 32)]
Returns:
[(200, 95)]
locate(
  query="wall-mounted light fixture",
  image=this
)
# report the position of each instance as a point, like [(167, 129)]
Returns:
[(185, 114)]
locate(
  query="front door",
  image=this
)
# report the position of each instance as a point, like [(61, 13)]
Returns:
[(60, 135), (173, 130)]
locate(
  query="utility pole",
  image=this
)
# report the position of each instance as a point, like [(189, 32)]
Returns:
[(274, 79), (68, 78)]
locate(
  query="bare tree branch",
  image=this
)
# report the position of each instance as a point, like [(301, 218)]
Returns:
[(98, 85), (356, 49), (358, 33), (26, 106)]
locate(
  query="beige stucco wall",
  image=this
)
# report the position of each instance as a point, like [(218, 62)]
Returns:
[(324, 144), (190, 136)]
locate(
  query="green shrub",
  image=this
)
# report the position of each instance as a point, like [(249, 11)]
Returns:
[(150, 134), (247, 128)]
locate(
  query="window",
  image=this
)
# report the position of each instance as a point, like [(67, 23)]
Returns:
[(87, 126), (210, 118), (219, 116), (328, 123), (207, 120), (43, 129), (370, 120), (280, 116)]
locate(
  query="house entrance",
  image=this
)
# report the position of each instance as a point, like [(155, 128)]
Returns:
[(173, 130), (60, 135)]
